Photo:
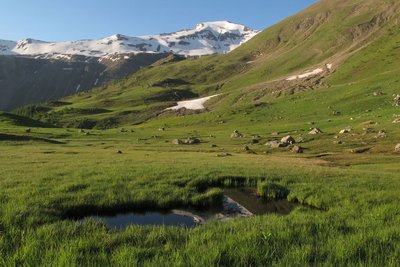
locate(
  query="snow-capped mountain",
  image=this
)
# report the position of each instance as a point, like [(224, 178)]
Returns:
[(206, 38)]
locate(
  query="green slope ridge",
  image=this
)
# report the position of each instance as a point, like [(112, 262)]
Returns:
[(360, 39)]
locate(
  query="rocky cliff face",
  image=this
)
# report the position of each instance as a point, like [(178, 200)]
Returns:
[(28, 80)]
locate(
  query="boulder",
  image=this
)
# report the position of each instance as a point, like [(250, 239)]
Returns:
[(396, 120), (297, 149), (191, 141), (119, 152), (28, 130), (397, 148), (162, 129), (315, 131), (288, 140), (236, 134)]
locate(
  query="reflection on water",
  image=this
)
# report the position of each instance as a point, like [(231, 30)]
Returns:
[(248, 198)]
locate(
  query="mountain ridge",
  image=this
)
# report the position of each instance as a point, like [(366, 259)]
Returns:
[(205, 38)]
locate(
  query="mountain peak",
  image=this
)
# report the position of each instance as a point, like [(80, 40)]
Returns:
[(218, 37)]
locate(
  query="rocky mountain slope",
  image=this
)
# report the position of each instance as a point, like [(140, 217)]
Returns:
[(34, 71)]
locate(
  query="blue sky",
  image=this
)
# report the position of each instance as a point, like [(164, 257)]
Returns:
[(57, 20)]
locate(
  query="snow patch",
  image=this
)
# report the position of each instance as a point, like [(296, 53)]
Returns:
[(310, 73), (195, 104)]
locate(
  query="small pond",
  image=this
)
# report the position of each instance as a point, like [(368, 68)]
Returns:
[(237, 202)]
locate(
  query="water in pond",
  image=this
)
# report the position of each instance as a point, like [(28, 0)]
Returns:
[(245, 197), (248, 198), (148, 218)]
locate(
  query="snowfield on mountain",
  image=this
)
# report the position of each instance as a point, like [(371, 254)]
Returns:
[(195, 104)]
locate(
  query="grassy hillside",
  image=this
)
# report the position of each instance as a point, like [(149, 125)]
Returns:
[(342, 33), (346, 185)]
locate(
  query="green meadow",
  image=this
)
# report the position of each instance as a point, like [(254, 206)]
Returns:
[(111, 149)]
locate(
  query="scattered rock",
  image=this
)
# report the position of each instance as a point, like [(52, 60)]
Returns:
[(396, 100), (338, 142), (119, 152), (289, 140), (300, 140), (123, 130), (214, 145), (81, 131), (397, 148), (377, 93), (368, 130), (360, 150), (381, 134), (223, 154), (255, 139), (298, 149), (396, 120), (177, 142), (191, 141), (236, 134), (276, 144), (275, 133), (369, 123), (246, 148), (28, 130), (315, 131), (188, 141), (162, 129), (345, 130)]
